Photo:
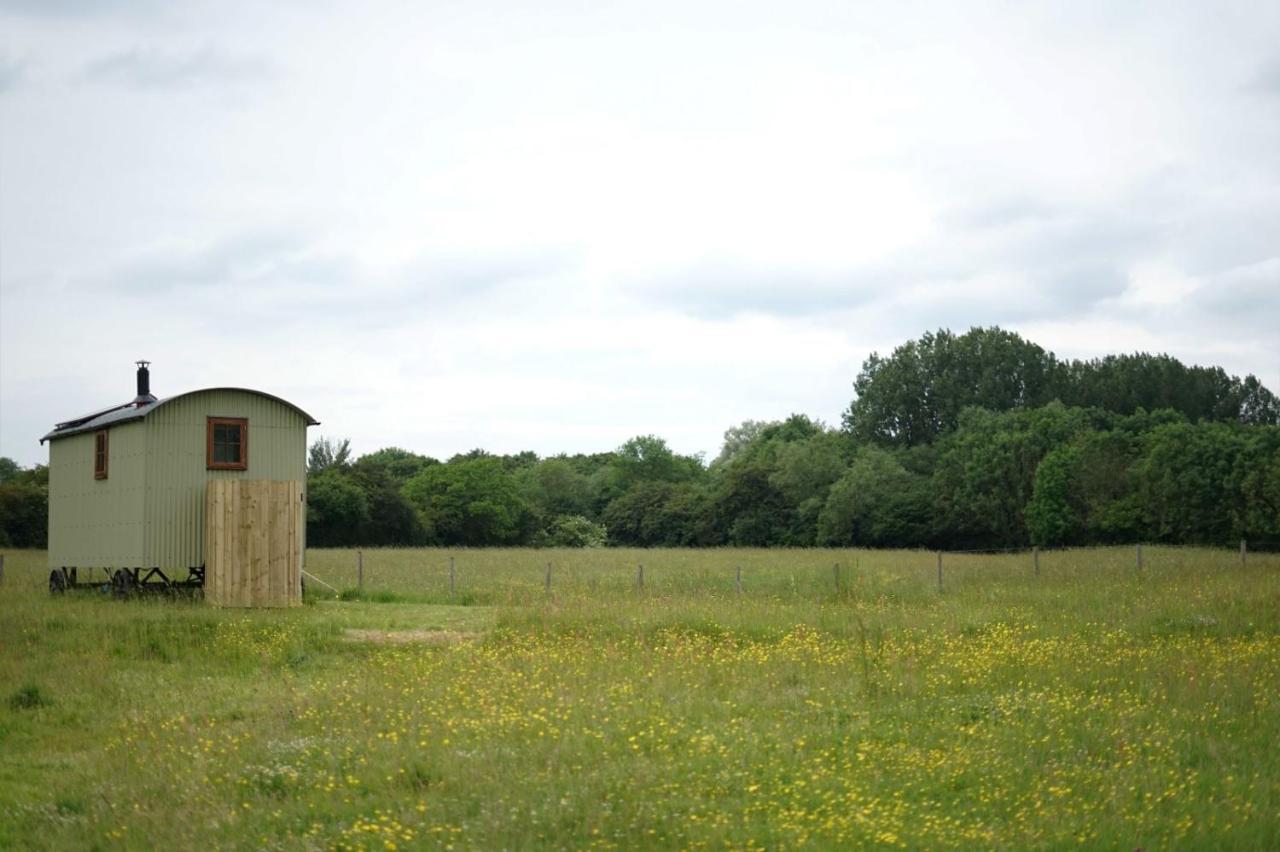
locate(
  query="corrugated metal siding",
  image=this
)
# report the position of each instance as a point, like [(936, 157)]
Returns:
[(176, 474), (98, 522)]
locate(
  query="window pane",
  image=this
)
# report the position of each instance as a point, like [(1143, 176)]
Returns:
[(227, 444)]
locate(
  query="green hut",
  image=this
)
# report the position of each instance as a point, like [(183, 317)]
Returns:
[(129, 488)]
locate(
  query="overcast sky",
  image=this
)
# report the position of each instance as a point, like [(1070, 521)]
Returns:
[(553, 226)]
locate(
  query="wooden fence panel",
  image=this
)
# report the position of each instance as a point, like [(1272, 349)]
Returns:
[(252, 556)]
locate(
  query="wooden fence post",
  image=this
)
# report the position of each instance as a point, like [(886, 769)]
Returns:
[(1, 567), (1139, 549), (939, 570), (548, 578), (360, 569), (1035, 556), (640, 577), (1244, 554), (738, 579), (452, 577)]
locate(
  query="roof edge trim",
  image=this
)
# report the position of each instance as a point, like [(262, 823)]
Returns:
[(91, 425)]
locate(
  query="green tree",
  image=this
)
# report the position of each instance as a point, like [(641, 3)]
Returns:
[(1259, 515), (327, 453), (985, 474), (876, 503), (1126, 384), (399, 464), (392, 520), (804, 471), (738, 438), (656, 514), (1054, 516), (24, 516), (647, 458), (556, 487), (472, 502), (573, 531), (1187, 485), (916, 394), (24, 505), (337, 509)]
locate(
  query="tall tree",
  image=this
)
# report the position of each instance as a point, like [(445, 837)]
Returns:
[(916, 394), (328, 453)]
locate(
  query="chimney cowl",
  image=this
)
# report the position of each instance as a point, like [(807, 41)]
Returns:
[(144, 396)]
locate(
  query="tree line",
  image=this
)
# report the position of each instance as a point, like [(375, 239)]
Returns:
[(976, 440)]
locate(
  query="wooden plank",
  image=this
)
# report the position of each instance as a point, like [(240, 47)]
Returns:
[(218, 559), (272, 581), (280, 544), (259, 561), (262, 530), (293, 597), (210, 543), (208, 546), (228, 550), (253, 526), (242, 539), (299, 537), (219, 563), (289, 496), (224, 542), (228, 598), (297, 522)]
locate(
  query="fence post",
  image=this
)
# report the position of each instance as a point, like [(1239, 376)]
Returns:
[(1, 567), (738, 579), (548, 578), (835, 572), (1035, 556), (1139, 556), (640, 577), (1244, 554), (939, 570), (452, 577), (360, 569)]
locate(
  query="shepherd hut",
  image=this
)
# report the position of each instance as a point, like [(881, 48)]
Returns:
[(204, 488)]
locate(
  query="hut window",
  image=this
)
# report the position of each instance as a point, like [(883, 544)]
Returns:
[(228, 444), (100, 455)]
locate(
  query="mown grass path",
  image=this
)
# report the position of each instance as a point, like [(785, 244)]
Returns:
[(1090, 704)]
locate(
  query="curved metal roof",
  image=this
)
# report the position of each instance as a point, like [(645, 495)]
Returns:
[(131, 411)]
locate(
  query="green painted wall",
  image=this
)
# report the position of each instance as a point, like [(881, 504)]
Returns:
[(149, 511), (98, 522), (176, 474)]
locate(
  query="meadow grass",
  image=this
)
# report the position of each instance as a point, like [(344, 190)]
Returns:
[(1092, 703)]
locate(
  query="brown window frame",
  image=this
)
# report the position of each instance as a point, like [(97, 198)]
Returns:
[(243, 423), (100, 459)]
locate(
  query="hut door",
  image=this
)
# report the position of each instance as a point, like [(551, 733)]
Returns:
[(252, 543)]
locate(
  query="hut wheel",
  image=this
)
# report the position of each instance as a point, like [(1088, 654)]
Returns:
[(121, 583), (57, 581)]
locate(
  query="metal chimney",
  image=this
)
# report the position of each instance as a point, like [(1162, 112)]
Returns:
[(144, 396)]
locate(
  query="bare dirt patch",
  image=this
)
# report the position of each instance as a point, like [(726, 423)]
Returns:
[(408, 637)]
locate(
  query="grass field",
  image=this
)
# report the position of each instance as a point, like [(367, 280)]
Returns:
[(1092, 703)]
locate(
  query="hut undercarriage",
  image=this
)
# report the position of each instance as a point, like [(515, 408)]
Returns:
[(125, 582)]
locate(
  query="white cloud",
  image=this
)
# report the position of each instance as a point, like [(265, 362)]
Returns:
[(555, 227)]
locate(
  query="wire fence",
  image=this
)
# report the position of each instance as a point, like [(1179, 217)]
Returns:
[(484, 575), (481, 576)]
